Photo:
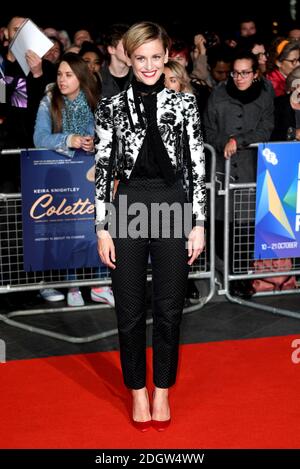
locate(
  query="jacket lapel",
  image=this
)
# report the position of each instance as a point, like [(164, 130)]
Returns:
[(133, 111)]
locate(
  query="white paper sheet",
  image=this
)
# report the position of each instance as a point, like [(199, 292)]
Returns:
[(29, 36)]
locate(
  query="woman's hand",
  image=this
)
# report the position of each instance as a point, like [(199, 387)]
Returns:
[(75, 141), (230, 148), (88, 143), (196, 243), (116, 183), (106, 249)]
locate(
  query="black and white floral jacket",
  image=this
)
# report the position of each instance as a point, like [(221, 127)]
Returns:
[(120, 135)]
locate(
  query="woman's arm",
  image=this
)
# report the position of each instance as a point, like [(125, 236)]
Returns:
[(104, 147), (213, 134), (43, 136), (195, 142)]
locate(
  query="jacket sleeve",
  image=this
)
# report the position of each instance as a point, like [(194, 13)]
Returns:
[(212, 133), (103, 147), (200, 69), (43, 136), (284, 120), (196, 149)]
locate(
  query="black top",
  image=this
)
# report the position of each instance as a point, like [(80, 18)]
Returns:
[(122, 81), (284, 119), (146, 165), (153, 160), (23, 96)]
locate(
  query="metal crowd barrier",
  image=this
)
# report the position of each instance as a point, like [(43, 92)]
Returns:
[(14, 279), (238, 265)]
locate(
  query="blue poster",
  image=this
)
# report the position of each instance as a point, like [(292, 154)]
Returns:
[(277, 222), (58, 210)]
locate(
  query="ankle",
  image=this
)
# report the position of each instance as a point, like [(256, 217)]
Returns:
[(139, 392), (140, 405), (160, 392)]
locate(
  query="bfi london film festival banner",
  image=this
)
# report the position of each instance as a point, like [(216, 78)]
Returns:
[(58, 211), (277, 221)]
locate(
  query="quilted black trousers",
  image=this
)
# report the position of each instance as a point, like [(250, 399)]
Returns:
[(160, 243)]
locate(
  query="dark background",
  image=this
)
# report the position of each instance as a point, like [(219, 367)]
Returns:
[(184, 18)]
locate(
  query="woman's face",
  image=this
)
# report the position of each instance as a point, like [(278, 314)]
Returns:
[(243, 74), (260, 52), (171, 81), (148, 61), (93, 61), (288, 64), (67, 81)]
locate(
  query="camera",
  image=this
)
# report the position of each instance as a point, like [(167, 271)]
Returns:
[(211, 39)]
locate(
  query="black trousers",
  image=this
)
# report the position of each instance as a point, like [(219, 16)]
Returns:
[(169, 258)]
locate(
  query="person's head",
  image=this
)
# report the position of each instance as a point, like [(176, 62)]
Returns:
[(179, 51), (293, 31), (288, 56), (255, 44), (247, 27), (64, 38), (219, 59), (13, 26), (74, 49), (81, 36), (244, 70), (113, 42), (92, 55), (56, 51), (292, 87), (293, 80), (146, 45), (294, 34), (70, 74), (176, 77), (220, 71), (260, 52), (72, 77), (51, 33)]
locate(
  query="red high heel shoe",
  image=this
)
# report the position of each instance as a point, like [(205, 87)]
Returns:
[(142, 426), (161, 425)]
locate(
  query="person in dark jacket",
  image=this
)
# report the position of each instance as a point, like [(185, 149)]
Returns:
[(115, 72), (239, 112), (23, 95)]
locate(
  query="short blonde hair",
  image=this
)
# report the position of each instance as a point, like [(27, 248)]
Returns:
[(143, 32), (181, 74)]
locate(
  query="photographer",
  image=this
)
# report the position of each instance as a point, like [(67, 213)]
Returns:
[(211, 66)]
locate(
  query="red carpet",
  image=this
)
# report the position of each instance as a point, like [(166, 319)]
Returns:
[(233, 394)]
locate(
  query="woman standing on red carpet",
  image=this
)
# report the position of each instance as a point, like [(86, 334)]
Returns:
[(149, 139)]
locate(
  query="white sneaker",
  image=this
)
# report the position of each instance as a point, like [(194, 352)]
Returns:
[(103, 295), (50, 294), (74, 297)]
